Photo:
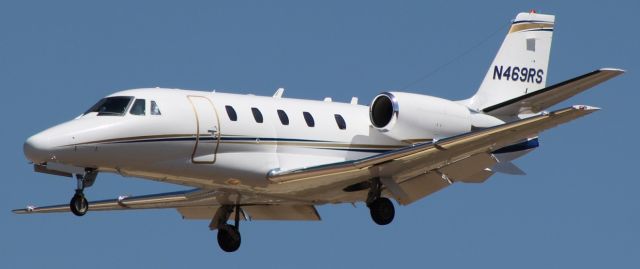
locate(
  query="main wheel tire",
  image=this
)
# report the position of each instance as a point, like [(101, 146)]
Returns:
[(229, 238), (382, 211), (79, 205)]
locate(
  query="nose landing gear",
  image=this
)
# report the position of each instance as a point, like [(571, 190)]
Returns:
[(79, 204)]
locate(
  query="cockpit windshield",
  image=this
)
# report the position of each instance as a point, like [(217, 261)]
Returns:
[(111, 106)]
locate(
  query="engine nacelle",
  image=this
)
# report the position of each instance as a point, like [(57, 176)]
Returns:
[(409, 116)]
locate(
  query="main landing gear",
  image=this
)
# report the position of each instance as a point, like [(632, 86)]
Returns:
[(228, 235), (229, 238), (380, 208), (79, 204)]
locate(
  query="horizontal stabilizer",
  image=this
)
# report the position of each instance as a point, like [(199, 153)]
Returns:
[(542, 99)]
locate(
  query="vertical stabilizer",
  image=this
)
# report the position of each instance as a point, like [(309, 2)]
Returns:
[(520, 67)]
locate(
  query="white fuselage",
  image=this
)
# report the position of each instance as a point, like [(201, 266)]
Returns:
[(194, 142), (193, 138)]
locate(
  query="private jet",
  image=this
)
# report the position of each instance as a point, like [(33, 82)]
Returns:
[(246, 157)]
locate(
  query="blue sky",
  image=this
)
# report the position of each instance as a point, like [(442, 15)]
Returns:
[(578, 207)]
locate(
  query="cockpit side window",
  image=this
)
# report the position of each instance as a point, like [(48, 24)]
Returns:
[(111, 106), (138, 107), (155, 110)]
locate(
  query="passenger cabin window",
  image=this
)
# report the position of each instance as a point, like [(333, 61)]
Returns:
[(283, 117), (155, 110), (231, 113), (111, 106), (340, 121), (257, 115), (138, 107), (309, 119)]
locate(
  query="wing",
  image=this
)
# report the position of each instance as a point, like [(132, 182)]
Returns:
[(416, 171), (162, 200), (540, 100), (198, 204)]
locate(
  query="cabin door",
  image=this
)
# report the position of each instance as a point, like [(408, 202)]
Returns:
[(207, 130)]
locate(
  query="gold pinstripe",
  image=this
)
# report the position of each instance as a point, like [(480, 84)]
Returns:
[(283, 143), (122, 139), (315, 144), (528, 26)]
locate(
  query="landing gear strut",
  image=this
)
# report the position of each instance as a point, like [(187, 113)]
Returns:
[(79, 204), (380, 208), (228, 235)]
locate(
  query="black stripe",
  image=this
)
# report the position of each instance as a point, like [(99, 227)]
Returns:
[(532, 21), (273, 139), (156, 140), (252, 139), (358, 150), (210, 138), (531, 94), (542, 29)]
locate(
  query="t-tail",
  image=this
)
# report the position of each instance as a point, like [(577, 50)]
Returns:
[(520, 67)]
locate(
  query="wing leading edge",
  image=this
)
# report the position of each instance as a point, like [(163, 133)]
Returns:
[(162, 200), (196, 204)]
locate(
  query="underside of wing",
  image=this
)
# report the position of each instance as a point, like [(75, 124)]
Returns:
[(162, 200), (256, 212), (474, 169), (542, 99), (197, 204)]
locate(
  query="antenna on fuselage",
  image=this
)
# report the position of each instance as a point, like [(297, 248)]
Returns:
[(278, 93), (354, 100), (327, 99)]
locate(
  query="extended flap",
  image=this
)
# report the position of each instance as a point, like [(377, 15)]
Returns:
[(255, 212), (473, 169), (282, 212), (421, 186)]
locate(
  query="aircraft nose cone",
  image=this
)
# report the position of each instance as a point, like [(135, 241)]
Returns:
[(36, 149)]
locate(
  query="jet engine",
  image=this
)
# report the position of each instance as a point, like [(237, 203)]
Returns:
[(414, 117)]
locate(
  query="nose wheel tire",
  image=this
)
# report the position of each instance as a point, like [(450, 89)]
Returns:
[(382, 211), (229, 238), (79, 205)]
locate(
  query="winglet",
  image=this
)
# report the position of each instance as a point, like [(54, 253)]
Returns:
[(585, 107), (612, 69)]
